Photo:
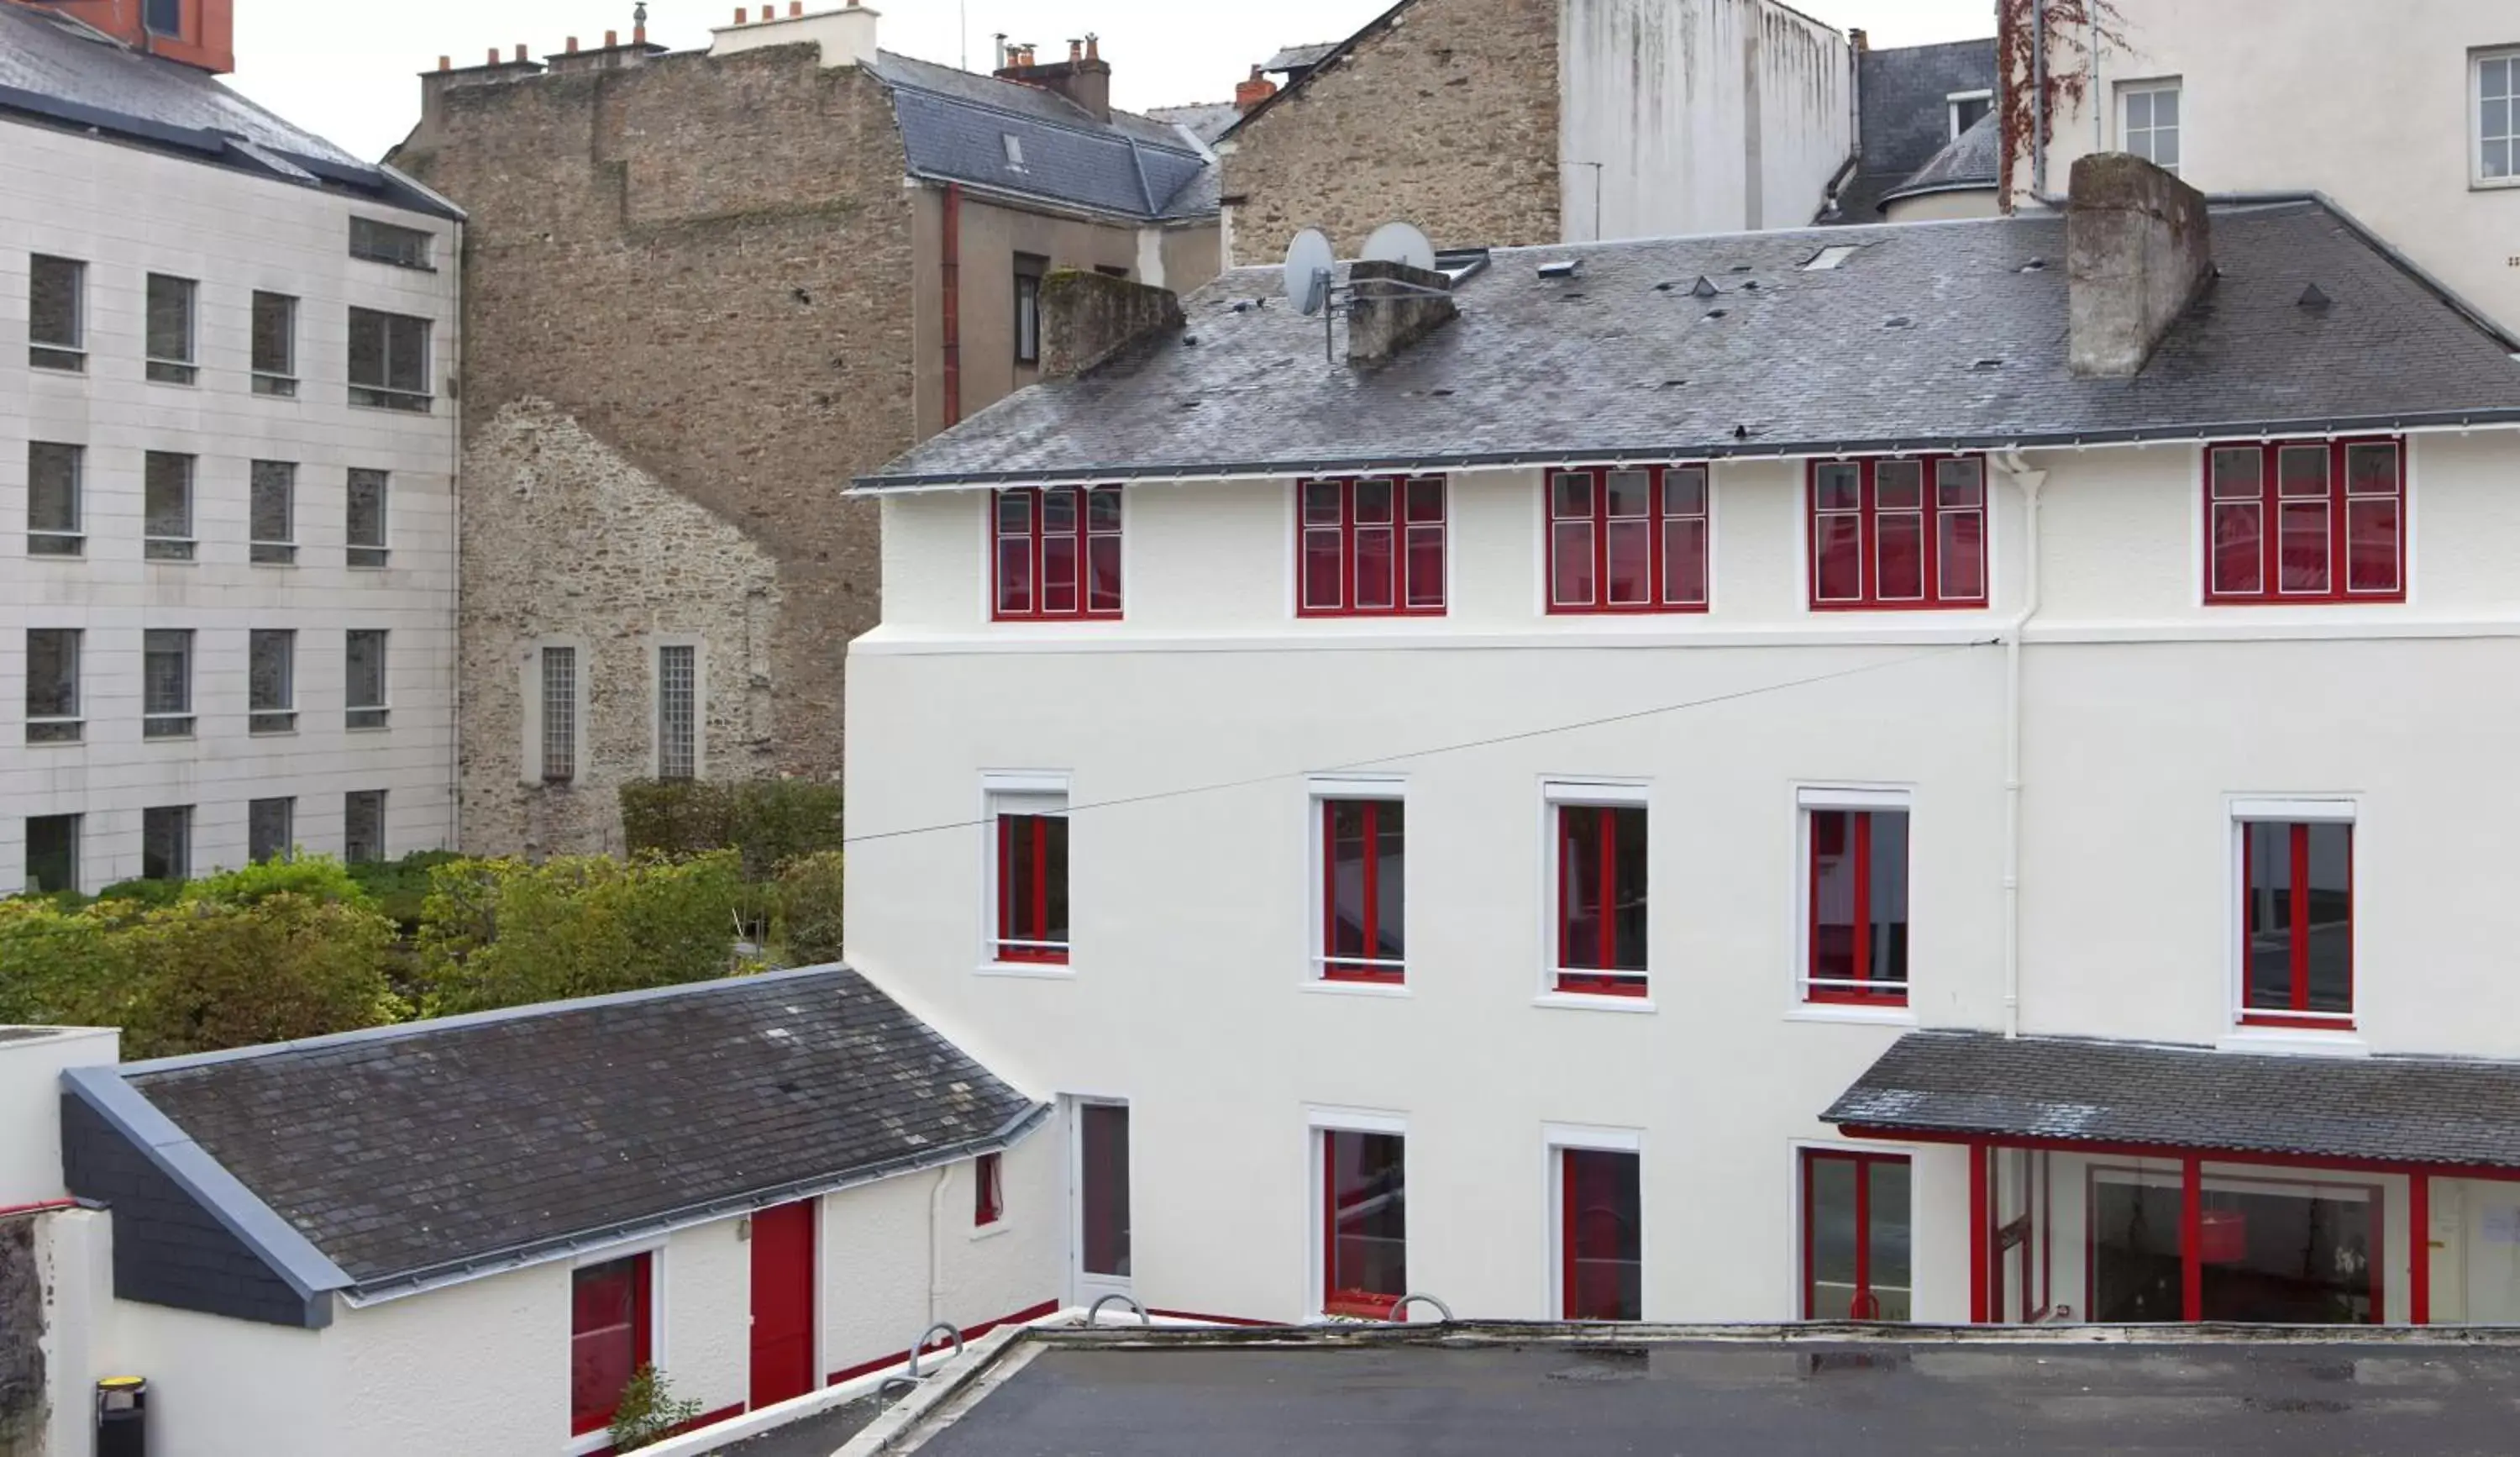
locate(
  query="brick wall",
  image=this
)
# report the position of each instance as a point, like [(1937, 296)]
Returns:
[(1448, 117)]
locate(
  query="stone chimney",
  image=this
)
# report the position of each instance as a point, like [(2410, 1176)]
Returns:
[(1087, 318), (202, 33), (844, 33), (1388, 310), (1856, 37), (1084, 77), (2138, 251), (1250, 93)]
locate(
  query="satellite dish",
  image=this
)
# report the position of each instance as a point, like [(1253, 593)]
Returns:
[(1400, 243), (1309, 266)]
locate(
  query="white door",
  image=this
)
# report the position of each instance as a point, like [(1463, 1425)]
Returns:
[(2493, 1252), (1099, 1208)]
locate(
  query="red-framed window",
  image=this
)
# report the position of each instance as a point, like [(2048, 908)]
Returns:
[(2306, 521), (1031, 887), (1858, 888), (1057, 553), (1601, 899), (1364, 891), (610, 1336), (2297, 923), (1365, 1229), (1370, 546), (1856, 1226), (1630, 540), (1891, 533), (988, 1193), (1600, 1224)]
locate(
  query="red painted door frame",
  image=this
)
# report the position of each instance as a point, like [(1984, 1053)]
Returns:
[(783, 1302)]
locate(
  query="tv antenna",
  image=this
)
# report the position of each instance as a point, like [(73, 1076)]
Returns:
[(1312, 271)]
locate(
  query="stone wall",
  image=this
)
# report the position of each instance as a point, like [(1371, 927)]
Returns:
[(1446, 116), (22, 1407)]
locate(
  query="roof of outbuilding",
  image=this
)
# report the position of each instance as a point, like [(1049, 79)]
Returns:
[(408, 1153), (58, 71), (1930, 334), (1971, 161), (2438, 1111), (1205, 120)]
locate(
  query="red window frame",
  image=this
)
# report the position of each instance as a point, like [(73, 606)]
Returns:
[(1376, 816), (1608, 974), (1371, 546), (1854, 837), (1054, 553), (1023, 886), (1581, 1175), (1942, 522), (1338, 1298), (1866, 1306), (988, 1193), (2296, 1011), (1660, 535), (2331, 529), (613, 1311)]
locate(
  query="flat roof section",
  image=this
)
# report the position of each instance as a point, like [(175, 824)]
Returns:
[(2284, 1394)]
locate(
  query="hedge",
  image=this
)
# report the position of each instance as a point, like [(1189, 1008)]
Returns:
[(504, 933), (766, 822)]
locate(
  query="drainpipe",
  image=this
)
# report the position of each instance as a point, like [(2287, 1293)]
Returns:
[(455, 612), (2030, 481), (952, 274), (2039, 98), (936, 1243)]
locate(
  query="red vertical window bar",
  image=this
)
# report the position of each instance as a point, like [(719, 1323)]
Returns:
[(1370, 546), (2306, 521), (1364, 891), (1601, 900), (1032, 889), (1898, 533), (1628, 540), (1057, 553), (1858, 928)]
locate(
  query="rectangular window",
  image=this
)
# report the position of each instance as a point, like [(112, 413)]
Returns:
[(2306, 521), (1371, 546), (1364, 891), (53, 686), (162, 17), (1628, 540), (52, 853), (388, 361), (2297, 922), (1102, 1188), (1601, 899), (167, 844), (1031, 879), (678, 719), (385, 243), (365, 527), (171, 328), (166, 683), (272, 515), (365, 703), (270, 829), (363, 826), (560, 714), (271, 680), (1028, 272), (56, 313), (166, 507), (1967, 109), (1058, 552), (2498, 118), (1600, 1226), (1365, 1234), (2148, 121), (988, 1192), (610, 1336), (275, 344), (1856, 883), (53, 499), (1856, 1263), (1898, 533)]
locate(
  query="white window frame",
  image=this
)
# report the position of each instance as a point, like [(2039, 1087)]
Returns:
[(656, 647), (383, 547), (1320, 789), (77, 534), (76, 719), (2476, 61), (2239, 812), (273, 720), (1952, 107), (184, 549), (382, 708), (1557, 1139), (384, 813), (76, 351), (271, 551), (2153, 86), (529, 676), (655, 1248), (183, 371), (157, 726), (1847, 795), (289, 840), (1318, 1120), (1607, 792), (1021, 792), (279, 384)]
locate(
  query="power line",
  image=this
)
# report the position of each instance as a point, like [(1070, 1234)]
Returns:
[(1462, 747)]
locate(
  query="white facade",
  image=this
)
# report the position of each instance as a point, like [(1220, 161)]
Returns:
[(1189, 737), (2393, 126), (126, 212)]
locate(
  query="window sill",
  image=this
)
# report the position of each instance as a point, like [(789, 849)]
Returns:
[(1849, 1012), (991, 1230), (1039, 970), (2294, 1042), (1334, 986), (2493, 184), (1576, 1001)]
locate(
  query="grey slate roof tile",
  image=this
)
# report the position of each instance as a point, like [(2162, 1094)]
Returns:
[(2442, 1110), (435, 1145), (1930, 334), (1972, 160)]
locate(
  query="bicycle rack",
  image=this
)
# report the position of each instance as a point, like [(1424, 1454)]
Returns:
[(915, 1347), (1415, 1295), (1091, 1317)]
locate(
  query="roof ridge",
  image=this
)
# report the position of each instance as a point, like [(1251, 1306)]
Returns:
[(1084, 122)]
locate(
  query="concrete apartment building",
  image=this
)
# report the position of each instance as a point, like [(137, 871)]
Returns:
[(226, 450), (708, 287)]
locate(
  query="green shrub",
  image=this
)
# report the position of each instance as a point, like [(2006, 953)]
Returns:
[(767, 822), (64, 967), (401, 887), (319, 878), (648, 1411), (144, 893), (211, 973), (809, 908), (504, 933)]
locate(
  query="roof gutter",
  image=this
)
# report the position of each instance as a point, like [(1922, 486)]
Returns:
[(1036, 202)]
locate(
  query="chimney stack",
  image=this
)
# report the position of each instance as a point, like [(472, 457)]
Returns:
[(204, 37), (1084, 77), (2138, 252), (1086, 318), (1250, 93), (1856, 37), (1390, 308), (845, 33)]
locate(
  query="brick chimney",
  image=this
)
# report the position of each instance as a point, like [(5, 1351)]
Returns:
[(1250, 93), (1390, 308), (845, 32), (200, 34), (1084, 77), (2138, 251)]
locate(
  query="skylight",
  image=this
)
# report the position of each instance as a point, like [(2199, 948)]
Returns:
[(1015, 150), (1829, 258)]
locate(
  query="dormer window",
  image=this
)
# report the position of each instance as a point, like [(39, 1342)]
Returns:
[(1014, 151), (162, 17)]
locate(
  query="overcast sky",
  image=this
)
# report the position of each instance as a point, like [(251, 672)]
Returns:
[(345, 69)]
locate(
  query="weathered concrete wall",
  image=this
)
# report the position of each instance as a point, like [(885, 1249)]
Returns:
[(22, 1405), (2138, 245), (1087, 318)]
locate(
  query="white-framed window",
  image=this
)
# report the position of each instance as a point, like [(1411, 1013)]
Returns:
[(271, 680), (166, 507), (55, 714), (1851, 901), (2292, 919), (166, 683), (1359, 827), (1026, 874), (54, 504), (271, 525), (2495, 121), (363, 826), (1967, 109), (364, 701), (554, 717), (56, 313), (1596, 1221), (389, 361), (364, 518), (275, 344), (678, 701), (2148, 124), (52, 853), (1359, 1160), (166, 842), (270, 829), (172, 305), (1597, 937)]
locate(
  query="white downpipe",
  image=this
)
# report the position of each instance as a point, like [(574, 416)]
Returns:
[(2030, 481), (936, 1243)]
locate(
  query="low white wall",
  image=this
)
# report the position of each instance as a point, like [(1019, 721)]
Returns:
[(30, 1100)]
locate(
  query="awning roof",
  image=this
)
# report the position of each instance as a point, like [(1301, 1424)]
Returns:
[(2065, 1091)]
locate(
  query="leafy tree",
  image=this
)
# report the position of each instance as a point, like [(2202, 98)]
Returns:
[(209, 974), (809, 908), (503, 933)]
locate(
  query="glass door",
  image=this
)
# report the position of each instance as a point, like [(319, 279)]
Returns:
[(1855, 1235), (1100, 1263)]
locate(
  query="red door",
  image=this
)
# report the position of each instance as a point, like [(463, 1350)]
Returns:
[(783, 1302)]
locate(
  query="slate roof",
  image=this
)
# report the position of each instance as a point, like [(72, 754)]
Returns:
[(2438, 1111), (410, 1152), (1930, 335), (1205, 120), (1904, 117), (954, 127), (1298, 58), (1970, 162), (57, 72)]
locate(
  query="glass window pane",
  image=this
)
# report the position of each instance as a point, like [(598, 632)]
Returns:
[(1683, 491), (2139, 109), (55, 306), (1015, 574), (1887, 900), (52, 673), (1322, 503), (270, 829), (1835, 905), (2303, 550), (1103, 1167), (1959, 555), (1887, 1208), (1102, 568), (1900, 540), (1684, 560), (275, 333), (1059, 510), (2236, 553), (2165, 148), (363, 826), (166, 489), (1373, 501), (1368, 1255), (2497, 159), (2371, 470), (273, 484), (2165, 106), (1603, 1226), (364, 670), (1628, 493), (167, 672), (2372, 546), (1570, 562), (2266, 917), (1390, 880), (677, 711), (1015, 512), (170, 318), (1837, 487), (52, 853), (366, 523), (1426, 498), (1375, 587), (1102, 509), (1830, 1232), (2300, 470), (1628, 901), (2239, 474), (1425, 567), (1899, 485), (1579, 887), (1059, 578), (52, 487), (1053, 878), (1837, 554), (2328, 871), (1346, 889), (1629, 578), (270, 670), (1959, 483), (167, 844), (1323, 589), (1570, 496)]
